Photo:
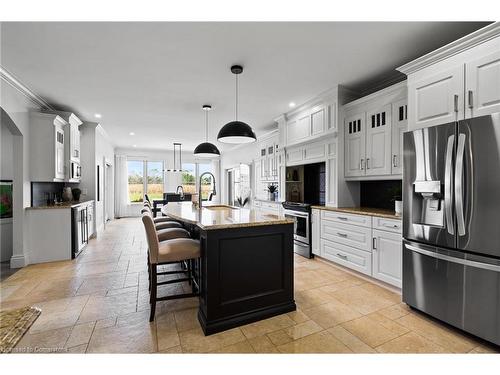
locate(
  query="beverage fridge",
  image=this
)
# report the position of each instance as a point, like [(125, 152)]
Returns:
[(451, 224)]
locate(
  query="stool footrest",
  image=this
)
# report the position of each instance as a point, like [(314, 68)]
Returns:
[(177, 296), (173, 281)]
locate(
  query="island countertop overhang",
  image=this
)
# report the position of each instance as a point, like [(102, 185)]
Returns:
[(220, 216)]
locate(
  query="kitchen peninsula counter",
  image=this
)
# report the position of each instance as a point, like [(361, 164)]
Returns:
[(245, 270)]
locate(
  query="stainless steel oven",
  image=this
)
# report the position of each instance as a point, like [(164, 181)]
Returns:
[(300, 214)]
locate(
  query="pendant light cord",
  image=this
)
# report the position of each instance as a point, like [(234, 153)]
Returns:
[(236, 96), (206, 126)]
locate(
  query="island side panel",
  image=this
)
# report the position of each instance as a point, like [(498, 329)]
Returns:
[(246, 275)]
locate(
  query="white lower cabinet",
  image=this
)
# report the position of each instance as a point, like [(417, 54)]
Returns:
[(347, 256), (387, 257), (315, 231), (370, 245)]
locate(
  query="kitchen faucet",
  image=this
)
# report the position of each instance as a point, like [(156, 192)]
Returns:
[(182, 192), (199, 190)]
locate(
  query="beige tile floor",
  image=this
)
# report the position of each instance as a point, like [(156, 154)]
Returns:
[(99, 304)]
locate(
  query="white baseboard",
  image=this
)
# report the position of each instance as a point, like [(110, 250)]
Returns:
[(18, 261)]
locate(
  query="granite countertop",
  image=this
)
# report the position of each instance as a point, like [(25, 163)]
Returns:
[(69, 204), (378, 212), (218, 216)]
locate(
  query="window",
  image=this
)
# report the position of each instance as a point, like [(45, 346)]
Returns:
[(155, 179), (189, 178), (239, 185), (144, 176)]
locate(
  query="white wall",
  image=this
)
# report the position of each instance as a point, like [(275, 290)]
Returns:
[(6, 173), (17, 106), (96, 150)]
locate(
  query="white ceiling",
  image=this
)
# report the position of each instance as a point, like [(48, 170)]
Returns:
[(152, 78)]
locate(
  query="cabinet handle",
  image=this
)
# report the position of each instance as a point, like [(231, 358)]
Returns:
[(361, 166), (341, 218), (367, 163), (374, 243), (470, 98), (342, 234), (390, 226), (455, 102), (342, 256), (394, 161)]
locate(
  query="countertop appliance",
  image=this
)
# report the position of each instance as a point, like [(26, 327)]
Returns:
[(300, 213), (82, 227), (451, 246)]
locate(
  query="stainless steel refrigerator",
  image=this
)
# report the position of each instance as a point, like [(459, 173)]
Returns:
[(451, 224)]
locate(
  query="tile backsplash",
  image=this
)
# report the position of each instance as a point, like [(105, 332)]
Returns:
[(41, 190), (379, 194)]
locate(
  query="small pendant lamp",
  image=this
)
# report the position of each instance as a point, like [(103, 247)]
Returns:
[(206, 149)]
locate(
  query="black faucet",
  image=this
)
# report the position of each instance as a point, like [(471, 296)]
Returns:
[(181, 193)]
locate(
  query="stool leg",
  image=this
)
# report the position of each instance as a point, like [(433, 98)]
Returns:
[(149, 274), (153, 292), (189, 271)]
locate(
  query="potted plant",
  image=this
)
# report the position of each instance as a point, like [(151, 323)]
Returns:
[(242, 201), (273, 192), (397, 198)]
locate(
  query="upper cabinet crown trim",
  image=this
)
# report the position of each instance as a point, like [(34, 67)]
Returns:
[(477, 37), (384, 93), (23, 89)]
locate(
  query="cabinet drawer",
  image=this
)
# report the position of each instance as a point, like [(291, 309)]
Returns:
[(351, 235), (341, 217), (347, 256), (390, 225)]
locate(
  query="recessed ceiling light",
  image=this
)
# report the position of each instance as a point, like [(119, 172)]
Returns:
[(134, 146), (131, 133), (291, 104), (98, 115)]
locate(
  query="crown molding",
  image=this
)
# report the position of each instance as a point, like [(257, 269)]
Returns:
[(453, 48), (401, 86), (12, 80)]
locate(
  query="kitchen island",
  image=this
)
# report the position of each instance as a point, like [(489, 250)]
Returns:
[(246, 265)]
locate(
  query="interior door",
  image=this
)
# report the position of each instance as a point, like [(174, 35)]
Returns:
[(399, 126), (483, 86), (378, 141), (477, 183), (355, 145)]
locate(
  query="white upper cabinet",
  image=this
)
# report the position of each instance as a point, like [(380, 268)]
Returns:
[(318, 120), (399, 126), (437, 99), (355, 145), (297, 130), (373, 134), (47, 147), (483, 85), (378, 141), (457, 81)]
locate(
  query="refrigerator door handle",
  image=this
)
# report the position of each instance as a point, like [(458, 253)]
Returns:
[(459, 189), (465, 262), (448, 175)]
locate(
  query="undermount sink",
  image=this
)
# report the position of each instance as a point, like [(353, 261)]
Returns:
[(220, 208)]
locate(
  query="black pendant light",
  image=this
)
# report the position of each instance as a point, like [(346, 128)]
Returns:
[(206, 149), (236, 131)]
